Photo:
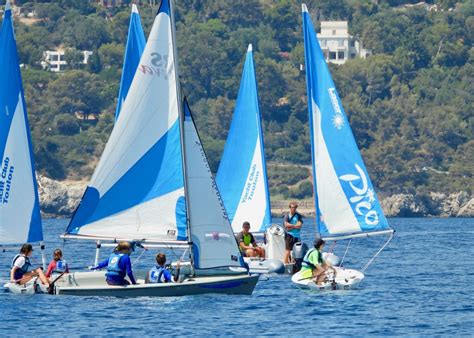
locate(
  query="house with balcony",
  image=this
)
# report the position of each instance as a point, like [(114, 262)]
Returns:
[(54, 60), (337, 45)]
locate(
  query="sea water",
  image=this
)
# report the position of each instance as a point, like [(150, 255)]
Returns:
[(422, 284)]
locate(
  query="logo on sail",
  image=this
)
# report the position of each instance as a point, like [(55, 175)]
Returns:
[(6, 179), (364, 197), (251, 184), (158, 67), (338, 118)]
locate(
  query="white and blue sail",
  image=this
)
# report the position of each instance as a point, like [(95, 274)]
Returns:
[(133, 53), (346, 203), (137, 189), (20, 219), (213, 241), (242, 173)]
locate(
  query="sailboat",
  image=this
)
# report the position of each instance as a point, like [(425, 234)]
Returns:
[(20, 220), (243, 184), (346, 204), (152, 162), (133, 52)]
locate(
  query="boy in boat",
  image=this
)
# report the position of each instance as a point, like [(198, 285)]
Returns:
[(293, 221), (247, 244), (57, 265), (118, 266), (159, 273), (20, 265), (313, 264)]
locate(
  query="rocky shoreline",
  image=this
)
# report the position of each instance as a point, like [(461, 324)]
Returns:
[(60, 198)]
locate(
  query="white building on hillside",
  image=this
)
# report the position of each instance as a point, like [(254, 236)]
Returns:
[(54, 61), (337, 45)]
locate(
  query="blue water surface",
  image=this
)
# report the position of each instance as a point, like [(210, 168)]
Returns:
[(422, 284)]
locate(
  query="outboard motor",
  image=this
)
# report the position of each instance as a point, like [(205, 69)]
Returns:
[(275, 242), (298, 253)]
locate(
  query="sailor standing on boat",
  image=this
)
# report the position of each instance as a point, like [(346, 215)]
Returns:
[(118, 266), (293, 222), (21, 264)]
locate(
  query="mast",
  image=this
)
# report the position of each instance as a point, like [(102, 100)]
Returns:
[(181, 129), (317, 215)]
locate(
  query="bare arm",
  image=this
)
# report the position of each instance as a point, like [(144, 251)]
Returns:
[(12, 274)]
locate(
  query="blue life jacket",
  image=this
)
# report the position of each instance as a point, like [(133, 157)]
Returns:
[(24, 269), (61, 266), (307, 263), (156, 275), (114, 272)]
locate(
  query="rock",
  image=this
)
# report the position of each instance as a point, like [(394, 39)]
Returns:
[(404, 205), (59, 198), (467, 210), (453, 203)]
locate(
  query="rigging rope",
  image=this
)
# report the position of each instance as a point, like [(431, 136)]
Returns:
[(372, 259), (345, 253)]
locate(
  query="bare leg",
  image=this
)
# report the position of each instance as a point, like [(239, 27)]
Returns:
[(286, 260), (42, 277), (249, 253), (260, 252)]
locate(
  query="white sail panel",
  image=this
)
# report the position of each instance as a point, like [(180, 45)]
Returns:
[(154, 220), (334, 208), (20, 219), (214, 244), (17, 193), (139, 175), (253, 201)]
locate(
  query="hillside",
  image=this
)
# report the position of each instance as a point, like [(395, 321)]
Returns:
[(410, 104)]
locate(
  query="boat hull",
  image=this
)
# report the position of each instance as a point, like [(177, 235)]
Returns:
[(29, 288), (346, 279), (93, 284)]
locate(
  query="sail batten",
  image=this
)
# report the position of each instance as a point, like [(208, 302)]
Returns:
[(20, 219), (243, 182), (345, 199)]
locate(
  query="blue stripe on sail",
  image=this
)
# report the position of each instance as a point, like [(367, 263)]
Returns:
[(340, 142), (10, 90), (181, 219), (133, 52), (157, 173), (241, 143)]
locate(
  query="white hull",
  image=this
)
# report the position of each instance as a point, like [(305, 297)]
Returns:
[(346, 279), (93, 284), (29, 288)]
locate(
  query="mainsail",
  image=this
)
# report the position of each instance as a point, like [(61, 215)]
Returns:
[(346, 203), (137, 191), (20, 219), (214, 244), (243, 182), (133, 53)]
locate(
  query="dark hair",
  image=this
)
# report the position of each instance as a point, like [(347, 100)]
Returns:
[(161, 258), (245, 223), (58, 253), (318, 242), (26, 248)]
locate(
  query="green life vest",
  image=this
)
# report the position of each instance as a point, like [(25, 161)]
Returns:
[(306, 262), (247, 239)]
